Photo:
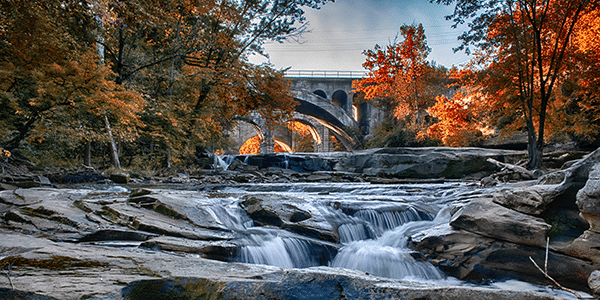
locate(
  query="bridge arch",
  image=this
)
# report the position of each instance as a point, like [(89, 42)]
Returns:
[(320, 93), (330, 115), (340, 98)]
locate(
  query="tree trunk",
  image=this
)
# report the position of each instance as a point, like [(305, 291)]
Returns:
[(114, 154), (87, 156), (168, 159)]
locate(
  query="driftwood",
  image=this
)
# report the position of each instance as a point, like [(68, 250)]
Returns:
[(545, 273), (8, 273), (527, 174)]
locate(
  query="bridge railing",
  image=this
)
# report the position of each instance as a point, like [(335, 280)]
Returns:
[(325, 73)]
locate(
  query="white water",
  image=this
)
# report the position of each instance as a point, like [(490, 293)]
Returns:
[(374, 223)]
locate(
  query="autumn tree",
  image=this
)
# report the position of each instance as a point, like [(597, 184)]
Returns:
[(50, 75), (190, 60), (579, 100), (400, 79), (525, 47)]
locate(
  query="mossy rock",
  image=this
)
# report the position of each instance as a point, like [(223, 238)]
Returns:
[(55, 263), (119, 178)]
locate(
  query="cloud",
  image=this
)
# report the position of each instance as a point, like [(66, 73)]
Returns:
[(340, 31)]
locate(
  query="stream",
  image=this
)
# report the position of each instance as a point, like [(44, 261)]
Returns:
[(374, 224)]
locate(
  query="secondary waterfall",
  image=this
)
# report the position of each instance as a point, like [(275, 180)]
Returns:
[(373, 223)]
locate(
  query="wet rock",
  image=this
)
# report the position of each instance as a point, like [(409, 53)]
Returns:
[(218, 250), (313, 283), (115, 235), (153, 222), (588, 199), (560, 186), (120, 178), (80, 176), (193, 207), (23, 197), (288, 213), (594, 282), (5, 186), (296, 162), (319, 178), (468, 255), (438, 162), (243, 177), (532, 200), (25, 181), (483, 217), (584, 246), (9, 294)]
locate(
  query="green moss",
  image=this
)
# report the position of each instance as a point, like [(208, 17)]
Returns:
[(43, 213), (55, 263), (165, 210), (109, 213), (79, 204)]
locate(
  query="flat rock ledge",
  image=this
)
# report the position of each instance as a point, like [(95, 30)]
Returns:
[(43, 269)]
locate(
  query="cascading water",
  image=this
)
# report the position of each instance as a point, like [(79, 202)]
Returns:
[(223, 161), (266, 247), (373, 223), (388, 255), (376, 241)]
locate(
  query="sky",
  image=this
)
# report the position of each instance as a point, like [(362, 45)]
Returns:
[(338, 33)]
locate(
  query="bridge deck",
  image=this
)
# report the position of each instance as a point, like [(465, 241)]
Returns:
[(325, 74)]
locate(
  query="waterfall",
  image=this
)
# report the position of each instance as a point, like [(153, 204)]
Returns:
[(267, 248), (373, 227), (375, 240), (223, 161), (385, 261), (387, 220)]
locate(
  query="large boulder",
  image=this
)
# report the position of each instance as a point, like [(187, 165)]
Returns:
[(290, 213), (588, 199), (314, 283), (483, 217), (594, 282), (468, 255), (433, 162), (560, 186)]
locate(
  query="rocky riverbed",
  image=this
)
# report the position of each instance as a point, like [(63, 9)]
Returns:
[(190, 236)]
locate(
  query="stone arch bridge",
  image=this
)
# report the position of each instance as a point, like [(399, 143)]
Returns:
[(327, 106)]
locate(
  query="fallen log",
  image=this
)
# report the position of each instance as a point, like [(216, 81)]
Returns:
[(527, 174)]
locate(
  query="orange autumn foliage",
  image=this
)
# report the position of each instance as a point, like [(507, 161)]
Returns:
[(458, 121), (298, 127), (252, 146), (525, 51), (51, 78), (398, 75)]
